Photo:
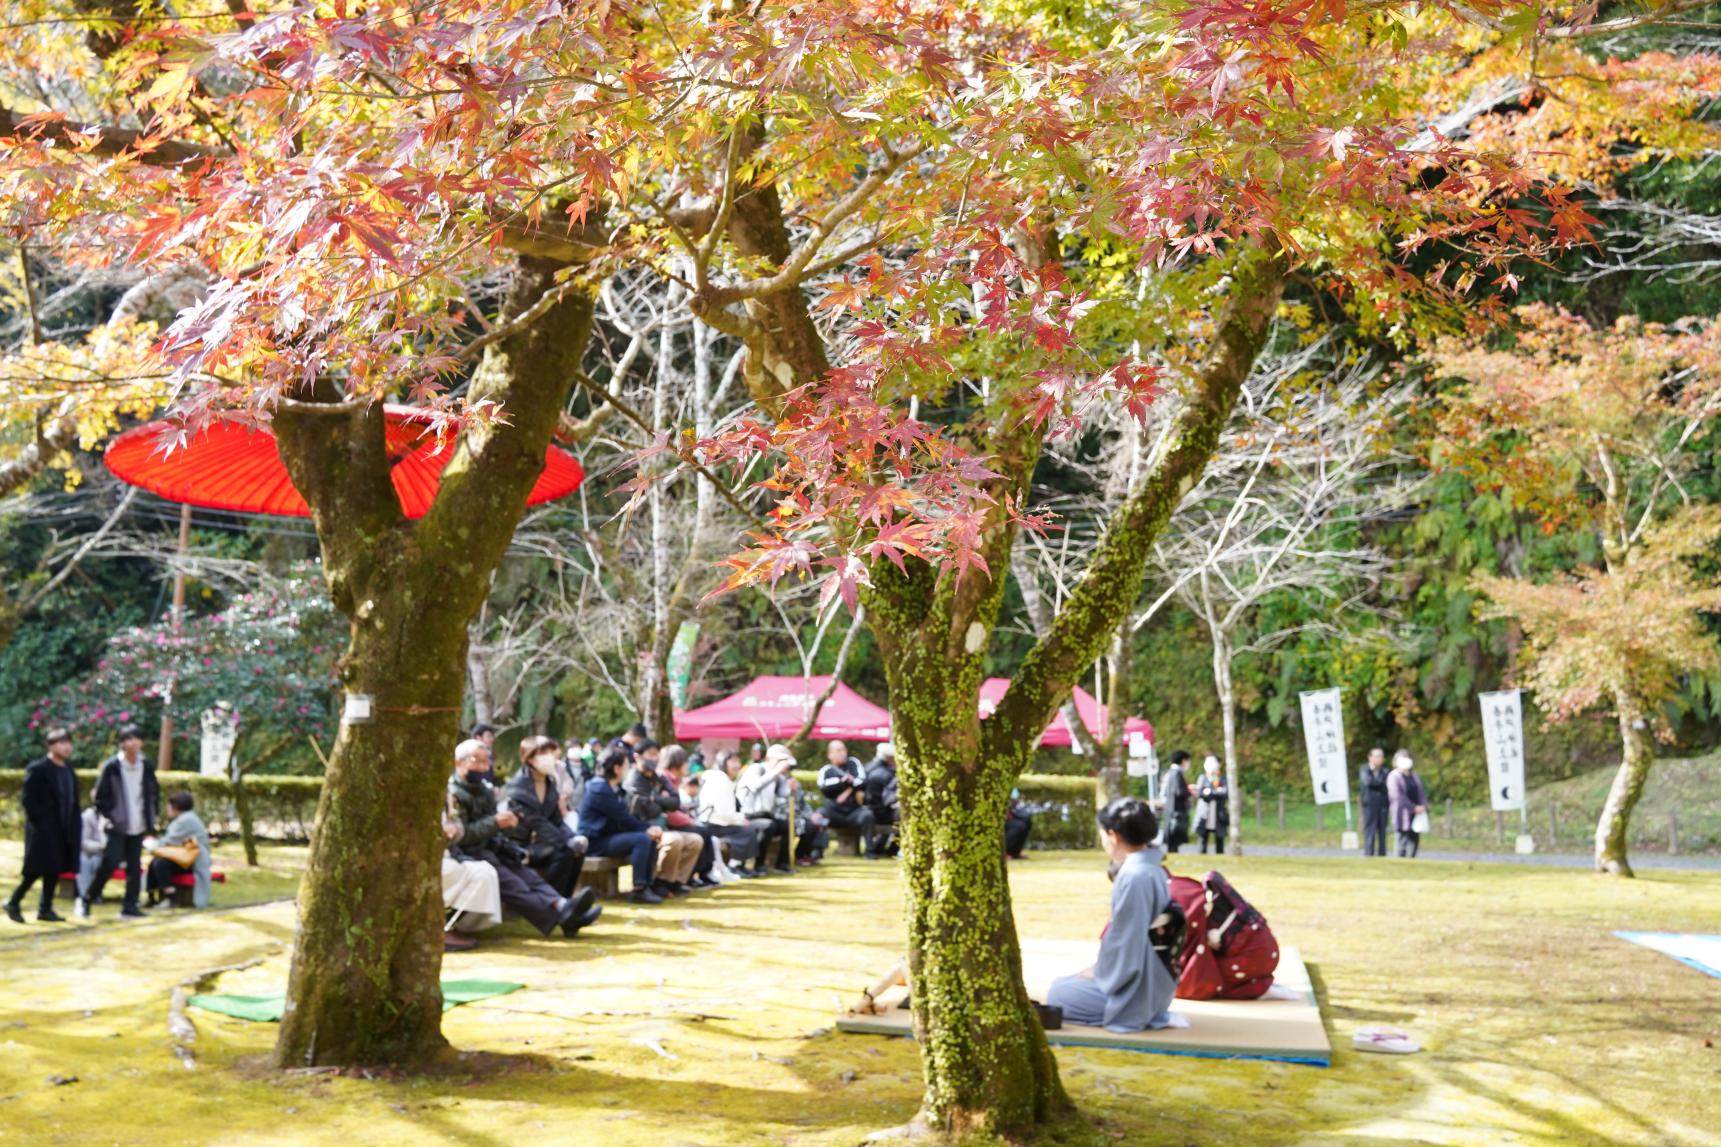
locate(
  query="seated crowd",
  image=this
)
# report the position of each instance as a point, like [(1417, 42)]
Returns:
[(680, 825)]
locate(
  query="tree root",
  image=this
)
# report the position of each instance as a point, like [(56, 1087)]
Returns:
[(179, 1026)]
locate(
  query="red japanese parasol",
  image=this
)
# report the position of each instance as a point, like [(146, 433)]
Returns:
[(228, 466)]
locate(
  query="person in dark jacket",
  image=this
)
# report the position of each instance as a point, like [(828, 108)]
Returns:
[(647, 799), (1018, 823), (1213, 804), (1371, 792), (882, 796), (674, 767), (614, 831), (844, 788), (1174, 798), (554, 852), (51, 826), (128, 797), (472, 805)]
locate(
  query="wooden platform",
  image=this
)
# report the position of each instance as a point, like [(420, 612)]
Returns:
[(1287, 1028)]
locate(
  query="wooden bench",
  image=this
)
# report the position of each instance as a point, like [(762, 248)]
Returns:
[(848, 840), (602, 874)]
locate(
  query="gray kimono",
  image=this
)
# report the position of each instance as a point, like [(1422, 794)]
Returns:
[(184, 827), (1129, 988)]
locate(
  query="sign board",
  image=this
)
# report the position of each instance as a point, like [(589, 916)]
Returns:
[(220, 731), (1324, 735), (1503, 739), (357, 710), (1143, 761)]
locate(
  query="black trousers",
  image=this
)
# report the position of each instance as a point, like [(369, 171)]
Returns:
[(769, 829), (1374, 830), (1017, 826), (121, 848), (857, 817), (1218, 835), (1408, 842), (742, 840), (1176, 839), (161, 874), (524, 891), (48, 885), (562, 870)]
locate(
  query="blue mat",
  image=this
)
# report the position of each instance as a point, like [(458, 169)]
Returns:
[(1699, 951)]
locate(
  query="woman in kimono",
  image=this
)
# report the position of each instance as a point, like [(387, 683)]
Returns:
[(1129, 988)]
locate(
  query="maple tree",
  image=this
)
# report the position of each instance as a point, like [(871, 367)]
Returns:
[(1600, 430), (930, 226)]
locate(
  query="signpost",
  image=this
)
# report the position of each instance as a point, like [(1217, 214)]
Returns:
[(1329, 772), (1503, 739)]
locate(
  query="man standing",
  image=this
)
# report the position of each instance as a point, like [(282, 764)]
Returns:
[(127, 796), (473, 806), (1371, 791), (1176, 799), (843, 786), (51, 825)]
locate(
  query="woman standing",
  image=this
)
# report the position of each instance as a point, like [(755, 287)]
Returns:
[(1409, 801), (1213, 814)]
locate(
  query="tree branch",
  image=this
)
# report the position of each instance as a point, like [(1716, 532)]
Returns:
[(1113, 579)]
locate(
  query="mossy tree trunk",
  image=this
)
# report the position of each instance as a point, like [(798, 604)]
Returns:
[(364, 986), (1638, 756), (987, 1067)]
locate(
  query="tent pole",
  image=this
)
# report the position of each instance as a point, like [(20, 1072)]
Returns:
[(164, 748)]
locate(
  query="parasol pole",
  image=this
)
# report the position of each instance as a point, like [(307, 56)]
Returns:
[(164, 749)]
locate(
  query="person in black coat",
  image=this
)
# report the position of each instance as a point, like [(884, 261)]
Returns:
[(843, 785), (1213, 811), (51, 825), (1174, 794), (882, 796), (127, 796), (551, 849), (1371, 792)]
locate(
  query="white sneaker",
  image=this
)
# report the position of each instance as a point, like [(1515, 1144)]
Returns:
[(1385, 1041), (81, 908)]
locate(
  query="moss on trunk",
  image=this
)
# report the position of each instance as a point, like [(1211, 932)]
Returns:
[(364, 987)]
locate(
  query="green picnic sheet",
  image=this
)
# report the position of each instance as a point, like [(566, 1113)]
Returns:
[(267, 1009)]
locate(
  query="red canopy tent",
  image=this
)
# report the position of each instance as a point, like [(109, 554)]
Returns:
[(1057, 734), (228, 466), (773, 708)]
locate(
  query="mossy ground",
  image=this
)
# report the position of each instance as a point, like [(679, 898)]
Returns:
[(709, 1022)]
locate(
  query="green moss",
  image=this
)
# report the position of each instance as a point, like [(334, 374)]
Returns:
[(743, 994)]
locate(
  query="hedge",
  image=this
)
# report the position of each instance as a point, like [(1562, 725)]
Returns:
[(283, 808), (1063, 807)]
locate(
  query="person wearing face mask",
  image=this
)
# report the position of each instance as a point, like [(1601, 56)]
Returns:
[(1409, 801), (472, 807), (551, 850), (1129, 988), (1213, 811)]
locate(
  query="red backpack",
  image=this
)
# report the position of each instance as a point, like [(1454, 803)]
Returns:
[(1229, 952)]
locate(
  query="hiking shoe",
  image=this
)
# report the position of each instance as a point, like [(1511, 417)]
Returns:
[(134, 912), (49, 916), (644, 896)]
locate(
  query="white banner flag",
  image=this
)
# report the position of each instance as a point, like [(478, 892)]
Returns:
[(1503, 737), (1324, 733)]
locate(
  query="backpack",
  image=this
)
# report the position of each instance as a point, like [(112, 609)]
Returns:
[(1229, 951)]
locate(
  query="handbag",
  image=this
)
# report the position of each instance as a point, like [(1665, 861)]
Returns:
[(678, 819), (1419, 823), (184, 854)]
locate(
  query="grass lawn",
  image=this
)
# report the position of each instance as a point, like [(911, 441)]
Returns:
[(709, 1022)]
